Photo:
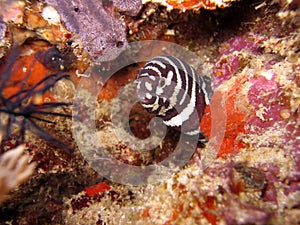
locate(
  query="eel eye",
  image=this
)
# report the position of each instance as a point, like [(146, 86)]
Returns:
[(162, 82)]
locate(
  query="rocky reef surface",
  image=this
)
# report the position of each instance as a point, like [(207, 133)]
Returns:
[(250, 49)]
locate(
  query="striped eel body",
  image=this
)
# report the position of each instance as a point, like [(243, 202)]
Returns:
[(171, 89)]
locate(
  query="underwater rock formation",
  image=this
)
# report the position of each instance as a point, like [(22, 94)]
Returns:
[(103, 36), (130, 7)]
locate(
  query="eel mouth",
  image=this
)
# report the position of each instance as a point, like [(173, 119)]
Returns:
[(145, 100)]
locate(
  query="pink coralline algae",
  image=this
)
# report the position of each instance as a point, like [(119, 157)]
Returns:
[(103, 36), (271, 173), (231, 57), (270, 99), (267, 93), (262, 96), (236, 178), (240, 213)]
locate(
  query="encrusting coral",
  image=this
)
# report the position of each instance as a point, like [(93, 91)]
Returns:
[(14, 170)]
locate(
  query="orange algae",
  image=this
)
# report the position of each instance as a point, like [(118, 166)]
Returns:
[(23, 67), (145, 213), (176, 213), (187, 4), (235, 121), (117, 82), (193, 4), (205, 125), (26, 69), (96, 189), (210, 206), (234, 126)]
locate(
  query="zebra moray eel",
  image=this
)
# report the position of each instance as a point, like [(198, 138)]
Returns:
[(170, 88)]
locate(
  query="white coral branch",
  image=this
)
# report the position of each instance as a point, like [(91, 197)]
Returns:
[(14, 170)]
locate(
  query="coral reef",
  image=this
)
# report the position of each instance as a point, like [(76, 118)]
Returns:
[(250, 49), (258, 160)]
